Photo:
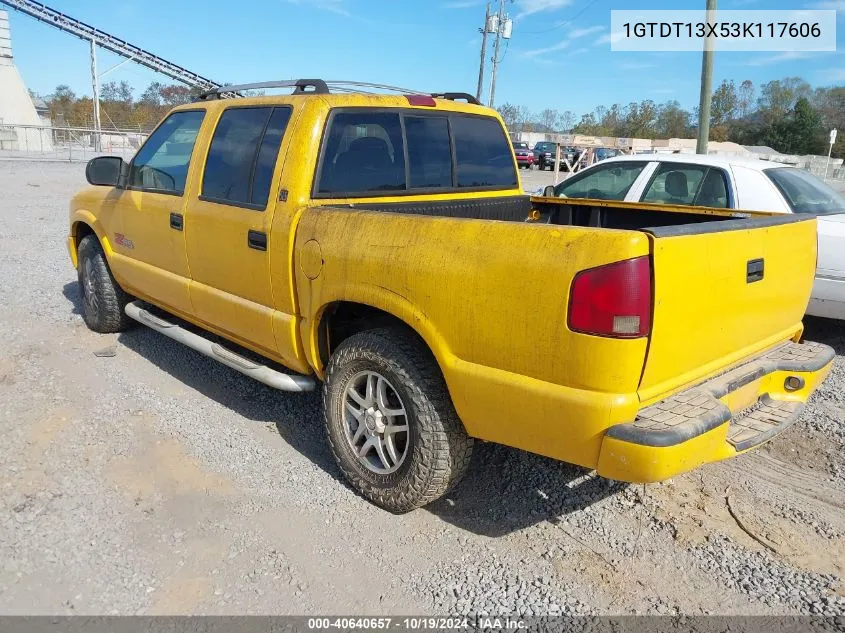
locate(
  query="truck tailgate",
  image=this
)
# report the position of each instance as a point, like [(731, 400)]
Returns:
[(722, 292)]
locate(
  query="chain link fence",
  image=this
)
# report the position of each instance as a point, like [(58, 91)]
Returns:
[(72, 144)]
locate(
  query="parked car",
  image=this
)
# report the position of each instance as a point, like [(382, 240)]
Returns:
[(730, 183), (603, 153), (544, 154), (382, 245), (572, 156), (524, 155)]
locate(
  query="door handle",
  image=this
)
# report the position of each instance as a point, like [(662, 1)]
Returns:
[(257, 240), (177, 221), (754, 270)]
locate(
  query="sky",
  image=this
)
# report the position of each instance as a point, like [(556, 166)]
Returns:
[(558, 57)]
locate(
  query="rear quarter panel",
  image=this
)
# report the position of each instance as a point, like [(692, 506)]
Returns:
[(490, 300)]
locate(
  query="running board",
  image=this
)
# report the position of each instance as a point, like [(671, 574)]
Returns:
[(261, 373)]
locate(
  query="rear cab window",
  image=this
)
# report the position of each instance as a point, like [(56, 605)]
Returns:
[(242, 156), (483, 156), (429, 153), (368, 153)]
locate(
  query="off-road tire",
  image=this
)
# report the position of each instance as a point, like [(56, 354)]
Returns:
[(439, 450), (105, 314)]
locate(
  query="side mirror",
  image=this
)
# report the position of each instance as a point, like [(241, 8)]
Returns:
[(105, 171), (549, 191)]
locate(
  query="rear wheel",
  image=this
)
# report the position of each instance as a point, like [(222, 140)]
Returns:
[(390, 422), (103, 300)]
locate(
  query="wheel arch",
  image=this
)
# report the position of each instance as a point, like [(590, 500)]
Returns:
[(82, 224), (337, 320)]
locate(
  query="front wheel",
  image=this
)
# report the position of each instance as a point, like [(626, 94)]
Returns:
[(390, 421), (103, 300)]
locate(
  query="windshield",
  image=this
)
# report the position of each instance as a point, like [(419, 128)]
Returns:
[(806, 193)]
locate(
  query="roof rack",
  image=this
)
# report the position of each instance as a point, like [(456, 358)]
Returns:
[(320, 86), (456, 96), (300, 86)]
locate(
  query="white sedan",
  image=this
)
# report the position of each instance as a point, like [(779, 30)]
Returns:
[(729, 183)]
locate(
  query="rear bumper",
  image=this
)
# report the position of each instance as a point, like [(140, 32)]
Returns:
[(718, 419), (525, 160)]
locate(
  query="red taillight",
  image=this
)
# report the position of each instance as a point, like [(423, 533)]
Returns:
[(612, 300), (421, 100)]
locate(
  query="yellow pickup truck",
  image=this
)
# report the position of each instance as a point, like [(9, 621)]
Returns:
[(383, 245)]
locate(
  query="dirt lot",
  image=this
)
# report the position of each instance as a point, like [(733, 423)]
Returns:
[(156, 481)]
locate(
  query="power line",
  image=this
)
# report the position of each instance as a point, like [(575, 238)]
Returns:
[(505, 54), (560, 25)]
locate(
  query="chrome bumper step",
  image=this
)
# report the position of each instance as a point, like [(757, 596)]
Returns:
[(262, 373)]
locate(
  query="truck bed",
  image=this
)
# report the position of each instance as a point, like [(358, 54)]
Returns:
[(586, 212), (653, 218), (493, 301)]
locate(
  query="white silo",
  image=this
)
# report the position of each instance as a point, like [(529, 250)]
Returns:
[(20, 126)]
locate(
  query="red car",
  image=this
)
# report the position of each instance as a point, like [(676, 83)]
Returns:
[(524, 156)]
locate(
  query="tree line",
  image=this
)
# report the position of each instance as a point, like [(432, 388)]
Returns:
[(119, 109), (787, 115)]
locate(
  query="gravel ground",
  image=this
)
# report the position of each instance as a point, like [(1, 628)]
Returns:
[(157, 481)]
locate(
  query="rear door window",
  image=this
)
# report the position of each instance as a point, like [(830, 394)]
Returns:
[(268, 152), (610, 181), (713, 192), (699, 185), (483, 154), (242, 156)]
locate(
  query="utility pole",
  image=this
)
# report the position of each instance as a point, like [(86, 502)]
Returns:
[(500, 23), (95, 85), (483, 52), (706, 85)]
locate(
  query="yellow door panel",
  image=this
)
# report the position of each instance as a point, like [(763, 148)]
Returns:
[(154, 258), (151, 207), (231, 313), (286, 331), (229, 240)]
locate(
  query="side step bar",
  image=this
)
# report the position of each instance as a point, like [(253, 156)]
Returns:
[(261, 373)]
